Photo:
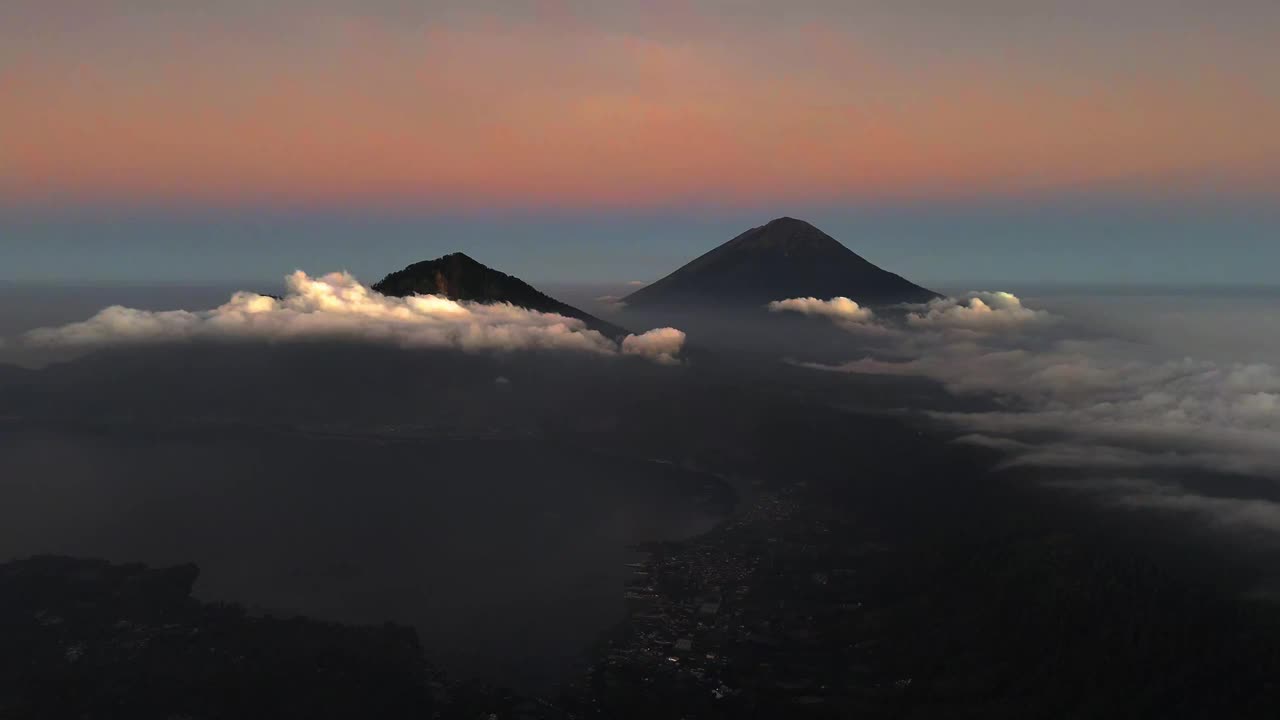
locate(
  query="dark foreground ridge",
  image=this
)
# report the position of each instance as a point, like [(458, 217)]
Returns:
[(782, 259), (458, 277), (89, 639)]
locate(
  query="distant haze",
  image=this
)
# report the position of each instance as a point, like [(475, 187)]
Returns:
[(963, 247)]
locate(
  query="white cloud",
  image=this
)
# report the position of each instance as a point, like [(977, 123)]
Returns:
[(1256, 517), (611, 303), (1241, 514), (1215, 416), (1251, 516), (975, 316), (980, 312), (1070, 400), (662, 345), (336, 306), (838, 308), (846, 313), (1100, 452)]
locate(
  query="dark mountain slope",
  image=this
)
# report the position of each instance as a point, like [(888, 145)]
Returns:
[(459, 277), (782, 259)]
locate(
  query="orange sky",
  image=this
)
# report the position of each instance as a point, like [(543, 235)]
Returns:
[(486, 109)]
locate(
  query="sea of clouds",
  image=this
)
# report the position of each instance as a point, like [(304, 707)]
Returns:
[(336, 306), (1067, 396)]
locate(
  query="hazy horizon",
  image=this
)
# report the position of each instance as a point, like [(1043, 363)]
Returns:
[(1096, 244)]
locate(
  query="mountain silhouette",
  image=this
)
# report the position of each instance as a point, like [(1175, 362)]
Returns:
[(782, 259), (458, 277)]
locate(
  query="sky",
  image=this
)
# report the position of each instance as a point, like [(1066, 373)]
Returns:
[(1127, 141)]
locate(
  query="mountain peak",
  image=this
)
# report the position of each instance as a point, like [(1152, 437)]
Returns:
[(458, 257), (458, 276), (788, 221), (788, 235), (785, 257)]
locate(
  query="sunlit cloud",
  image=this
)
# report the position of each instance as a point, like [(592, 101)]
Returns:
[(977, 312), (839, 308), (337, 307), (662, 345)]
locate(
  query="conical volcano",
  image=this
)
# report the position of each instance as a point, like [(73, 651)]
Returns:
[(782, 259), (458, 277)]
